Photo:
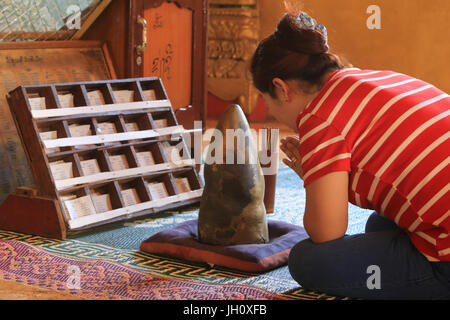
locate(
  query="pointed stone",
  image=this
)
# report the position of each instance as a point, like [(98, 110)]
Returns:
[(232, 208)]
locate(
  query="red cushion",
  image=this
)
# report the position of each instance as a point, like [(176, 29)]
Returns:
[(182, 242)]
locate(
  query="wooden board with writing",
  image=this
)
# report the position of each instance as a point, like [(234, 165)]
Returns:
[(40, 63), (169, 56)]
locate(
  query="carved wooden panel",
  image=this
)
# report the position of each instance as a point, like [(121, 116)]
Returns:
[(233, 34)]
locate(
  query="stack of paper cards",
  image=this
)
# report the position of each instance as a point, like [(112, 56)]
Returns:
[(49, 135), (124, 96), (66, 100), (131, 126), (90, 167), (102, 202), (182, 184), (149, 95), (96, 98), (37, 103), (119, 162), (78, 207), (172, 152), (145, 158), (160, 123), (77, 130), (130, 197), (106, 128), (157, 190), (61, 170)]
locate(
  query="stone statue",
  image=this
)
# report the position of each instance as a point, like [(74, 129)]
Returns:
[(232, 209)]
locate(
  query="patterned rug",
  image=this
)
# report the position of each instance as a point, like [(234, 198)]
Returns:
[(130, 274), (289, 207), (102, 279)]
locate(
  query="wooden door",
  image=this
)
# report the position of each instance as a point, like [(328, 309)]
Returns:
[(175, 32), (169, 53), (175, 51)]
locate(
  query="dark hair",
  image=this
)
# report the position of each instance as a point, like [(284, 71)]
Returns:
[(292, 53)]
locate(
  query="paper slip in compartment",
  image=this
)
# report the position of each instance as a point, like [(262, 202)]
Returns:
[(37, 103), (149, 95), (160, 123), (80, 130), (66, 100), (119, 162), (182, 184), (96, 98), (65, 198), (158, 190), (132, 126), (49, 135), (130, 197), (124, 96), (102, 202), (79, 207), (145, 158), (106, 128), (61, 170), (90, 167)]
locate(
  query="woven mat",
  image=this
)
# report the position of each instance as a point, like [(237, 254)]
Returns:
[(107, 280), (119, 245)]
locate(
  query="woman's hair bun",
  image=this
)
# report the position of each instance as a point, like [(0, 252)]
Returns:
[(301, 40)]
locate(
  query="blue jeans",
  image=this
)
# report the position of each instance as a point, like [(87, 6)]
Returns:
[(381, 263)]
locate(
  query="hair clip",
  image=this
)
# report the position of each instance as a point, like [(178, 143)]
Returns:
[(304, 21)]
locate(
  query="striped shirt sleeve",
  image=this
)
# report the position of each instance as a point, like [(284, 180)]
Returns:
[(322, 148)]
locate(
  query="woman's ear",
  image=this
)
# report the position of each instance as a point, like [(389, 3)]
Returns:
[(282, 88)]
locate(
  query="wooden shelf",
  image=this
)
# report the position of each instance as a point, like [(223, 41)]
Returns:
[(103, 151)]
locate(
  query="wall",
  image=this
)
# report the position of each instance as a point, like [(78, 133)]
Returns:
[(413, 39)]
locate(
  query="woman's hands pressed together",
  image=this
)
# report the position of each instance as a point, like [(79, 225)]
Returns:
[(290, 146), (326, 211)]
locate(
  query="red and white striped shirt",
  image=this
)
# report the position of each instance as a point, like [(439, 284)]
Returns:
[(391, 132)]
